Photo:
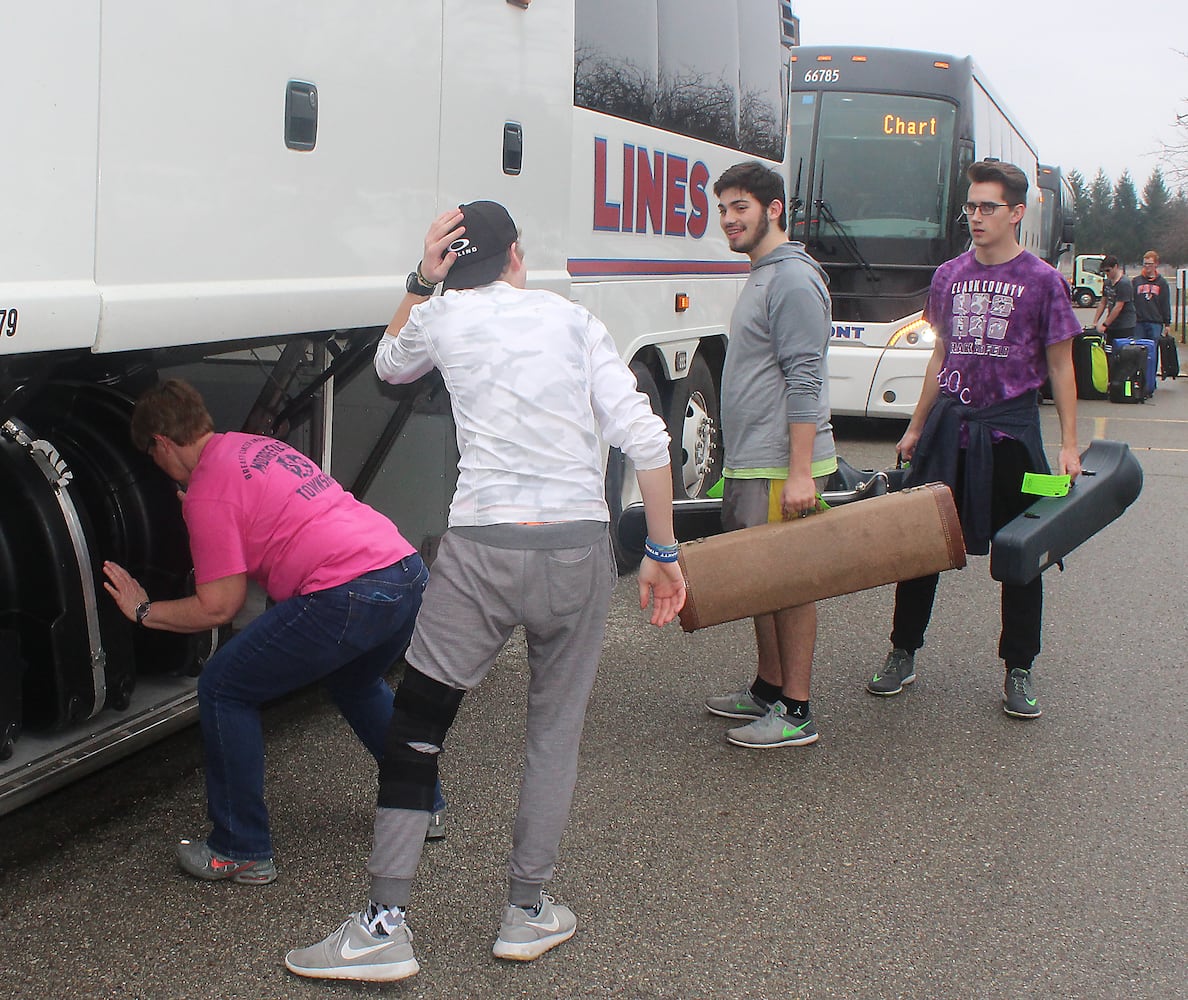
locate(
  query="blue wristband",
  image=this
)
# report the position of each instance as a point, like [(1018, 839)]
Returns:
[(661, 553)]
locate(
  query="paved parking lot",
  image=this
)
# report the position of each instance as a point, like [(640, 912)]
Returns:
[(927, 846)]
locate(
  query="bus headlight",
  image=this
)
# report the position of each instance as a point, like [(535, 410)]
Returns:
[(916, 334)]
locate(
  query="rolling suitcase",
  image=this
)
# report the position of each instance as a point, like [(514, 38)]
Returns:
[(1169, 357), (1128, 378), (896, 536), (1151, 357), (1091, 367), (1110, 481)]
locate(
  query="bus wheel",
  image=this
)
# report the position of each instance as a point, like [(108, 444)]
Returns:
[(622, 490), (694, 424)]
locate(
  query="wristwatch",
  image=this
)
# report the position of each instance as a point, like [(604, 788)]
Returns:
[(142, 611), (415, 286)]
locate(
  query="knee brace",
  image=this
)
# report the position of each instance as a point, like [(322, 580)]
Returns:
[(422, 712)]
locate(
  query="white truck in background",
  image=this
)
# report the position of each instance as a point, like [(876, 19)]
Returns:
[(234, 191), (1086, 280)]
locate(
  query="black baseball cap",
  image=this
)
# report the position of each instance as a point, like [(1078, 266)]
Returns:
[(482, 249)]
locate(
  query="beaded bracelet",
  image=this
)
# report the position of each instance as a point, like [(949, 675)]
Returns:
[(661, 553), (423, 280)]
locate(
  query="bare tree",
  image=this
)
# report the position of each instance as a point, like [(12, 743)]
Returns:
[(1175, 154)]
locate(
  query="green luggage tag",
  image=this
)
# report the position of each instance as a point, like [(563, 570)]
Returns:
[(715, 491), (1039, 485)]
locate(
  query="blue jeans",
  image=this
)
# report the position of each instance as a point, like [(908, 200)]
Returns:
[(1148, 331), (347, 637)]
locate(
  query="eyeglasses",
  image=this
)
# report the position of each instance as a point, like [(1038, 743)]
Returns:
[(1150, 263), (987, 208)]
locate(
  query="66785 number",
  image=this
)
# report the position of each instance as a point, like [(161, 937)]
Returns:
[(822, 75)]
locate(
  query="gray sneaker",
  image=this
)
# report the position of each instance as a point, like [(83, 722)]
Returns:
[(524, 936), (353, 952), (436, 825), (197, 859), (776, 729), (1018, 695), (899, 670), (740, 705)]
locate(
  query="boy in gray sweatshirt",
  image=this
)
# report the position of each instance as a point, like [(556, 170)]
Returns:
[(777, 436)]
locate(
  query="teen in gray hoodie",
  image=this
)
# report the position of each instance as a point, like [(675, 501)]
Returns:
[(777, 436)]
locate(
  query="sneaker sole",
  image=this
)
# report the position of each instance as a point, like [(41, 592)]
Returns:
[(1023, 715), (388, 972), (734, 715), (887, 694), (799, 741), (249, 878), (526, 951)]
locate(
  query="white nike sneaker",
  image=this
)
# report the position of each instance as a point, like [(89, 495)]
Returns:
[(524, 935), (353, 952)]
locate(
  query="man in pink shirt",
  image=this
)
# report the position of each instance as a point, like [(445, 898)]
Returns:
[(346, 585)]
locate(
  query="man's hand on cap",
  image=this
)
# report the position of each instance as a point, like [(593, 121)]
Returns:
[(438, 259)]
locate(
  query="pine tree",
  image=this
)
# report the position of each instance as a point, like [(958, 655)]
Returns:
[(1093, 211), (1172, 240), (1154, 211), (1076, 180), (1122, 229)]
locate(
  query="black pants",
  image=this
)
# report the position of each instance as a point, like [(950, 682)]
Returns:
[(1022, 606)]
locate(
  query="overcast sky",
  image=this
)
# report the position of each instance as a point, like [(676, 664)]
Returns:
[(1094, 83)]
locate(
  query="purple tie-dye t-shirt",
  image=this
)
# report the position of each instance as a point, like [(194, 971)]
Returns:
[(996, 322)]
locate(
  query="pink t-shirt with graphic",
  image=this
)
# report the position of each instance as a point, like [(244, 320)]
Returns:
[(997, 322), (257, 506)]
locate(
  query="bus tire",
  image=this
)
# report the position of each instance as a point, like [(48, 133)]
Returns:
[(621, 488), (694, 424)]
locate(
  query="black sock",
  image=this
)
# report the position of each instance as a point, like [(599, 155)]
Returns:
[(764, 691), (381, 920), (800, 709)]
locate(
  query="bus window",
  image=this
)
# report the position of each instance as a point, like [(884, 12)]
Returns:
[(616, 71), (699, 74), (883, 163), (701, 68), (763, 80)]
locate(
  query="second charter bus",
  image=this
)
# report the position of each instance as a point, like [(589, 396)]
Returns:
[(880, 140)]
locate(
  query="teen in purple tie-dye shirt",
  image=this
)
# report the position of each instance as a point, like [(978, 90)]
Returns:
[(1004, 324)]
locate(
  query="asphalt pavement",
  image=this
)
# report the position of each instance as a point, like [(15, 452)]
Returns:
[(927, 846)]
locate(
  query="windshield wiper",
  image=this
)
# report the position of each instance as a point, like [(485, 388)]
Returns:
[(844, 238), (796, 204)]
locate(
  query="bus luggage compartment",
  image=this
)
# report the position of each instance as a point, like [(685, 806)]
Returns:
[(12, 674), (136, 516), (46, 597)]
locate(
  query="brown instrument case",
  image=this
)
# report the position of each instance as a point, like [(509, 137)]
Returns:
[(897, 536)]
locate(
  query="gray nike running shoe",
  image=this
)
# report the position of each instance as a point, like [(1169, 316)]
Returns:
[(740, 705), (524, 936), (1018, 695), (353, 952), (197, 859), (776, 729), (899, 670)]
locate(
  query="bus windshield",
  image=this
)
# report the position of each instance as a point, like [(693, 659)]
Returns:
[(882, 162)]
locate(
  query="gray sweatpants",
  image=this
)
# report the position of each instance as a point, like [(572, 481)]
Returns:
[(556, 581)]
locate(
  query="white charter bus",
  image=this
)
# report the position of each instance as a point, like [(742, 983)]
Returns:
[(879, 143), (233, 192)]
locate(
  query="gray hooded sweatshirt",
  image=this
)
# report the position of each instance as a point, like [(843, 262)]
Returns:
[(776, 372)]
